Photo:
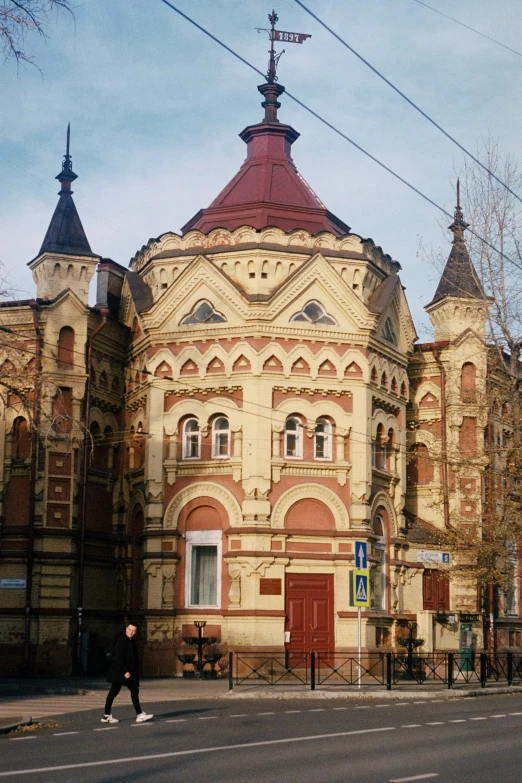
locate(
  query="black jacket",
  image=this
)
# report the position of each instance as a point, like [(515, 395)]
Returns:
[(125, 660)]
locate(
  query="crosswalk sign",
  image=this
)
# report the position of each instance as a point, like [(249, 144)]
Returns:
[(361, 587)]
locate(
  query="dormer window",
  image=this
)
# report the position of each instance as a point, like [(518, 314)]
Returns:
[(314, 313), (388, 333), (203, 313)]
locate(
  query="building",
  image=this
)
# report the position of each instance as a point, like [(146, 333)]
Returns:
[(256, 402)]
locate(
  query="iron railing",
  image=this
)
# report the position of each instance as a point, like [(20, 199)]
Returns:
[(385, 669)]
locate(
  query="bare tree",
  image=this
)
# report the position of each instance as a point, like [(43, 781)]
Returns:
[(21, 18)]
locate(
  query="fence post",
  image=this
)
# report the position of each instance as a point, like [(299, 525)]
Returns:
[(450, 670), (510, 668), (483, 669), (230, 671), (388, 671), (312, 671)]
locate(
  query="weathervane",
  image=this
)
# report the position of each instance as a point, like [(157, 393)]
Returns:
[(278, 35)]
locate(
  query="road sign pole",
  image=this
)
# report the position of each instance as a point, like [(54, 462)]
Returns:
[(359, 637)]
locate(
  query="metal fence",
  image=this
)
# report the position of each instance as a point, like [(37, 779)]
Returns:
[(384, 669)]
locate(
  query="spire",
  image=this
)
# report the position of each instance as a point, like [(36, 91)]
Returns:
[(65, 233), (459, 278)]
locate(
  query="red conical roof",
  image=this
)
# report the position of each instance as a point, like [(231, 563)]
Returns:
[(268, 190)]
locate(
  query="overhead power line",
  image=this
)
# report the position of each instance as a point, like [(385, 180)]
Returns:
[(341, 134), (408, 100), (473, 30)]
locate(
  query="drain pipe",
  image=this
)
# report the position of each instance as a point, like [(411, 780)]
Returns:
[(444, 444), (104, 312), (32, 488)]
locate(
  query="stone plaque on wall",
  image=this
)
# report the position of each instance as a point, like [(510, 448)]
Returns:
[(269, 587)]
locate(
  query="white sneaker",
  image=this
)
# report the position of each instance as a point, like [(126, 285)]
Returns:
[(142, 717), (109, 719)]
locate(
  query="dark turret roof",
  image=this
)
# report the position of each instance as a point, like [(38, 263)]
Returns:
[(65, 233), (459, 277)]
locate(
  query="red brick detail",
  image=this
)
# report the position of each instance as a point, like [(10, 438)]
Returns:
[(428, 401), (242, 364), (327, 368), (468, 436), (301, 367), (166, 546), (189, 368), (57, 516), (468, 486), (273, 364), (468, 508), (277, 546), (353, 371), (468, 382), (163, 369), (310, 514), (235, 544), (59, 489), (17, 506), (307, 546), (345, 547), (216, 365)]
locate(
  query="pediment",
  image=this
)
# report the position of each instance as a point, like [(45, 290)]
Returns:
[(395, 325)]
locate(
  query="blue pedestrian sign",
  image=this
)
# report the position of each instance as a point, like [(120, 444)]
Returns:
[(361, 554), (361, 588)]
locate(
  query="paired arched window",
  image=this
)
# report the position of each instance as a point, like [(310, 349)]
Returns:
[(221, 437), (66, 348), (293, 438), (379, 448), (323, 439), (191, 439)]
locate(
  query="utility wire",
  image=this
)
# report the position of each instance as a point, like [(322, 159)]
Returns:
[(408, 100), (469, 28), (342, 135)]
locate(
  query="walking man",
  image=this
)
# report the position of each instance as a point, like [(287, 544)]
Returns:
[(125, 670)]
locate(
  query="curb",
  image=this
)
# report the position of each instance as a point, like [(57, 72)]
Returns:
[(377, 694), (6, 728)]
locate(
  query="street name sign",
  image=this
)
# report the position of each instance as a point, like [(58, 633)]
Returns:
[(13, 584), (431, 556)]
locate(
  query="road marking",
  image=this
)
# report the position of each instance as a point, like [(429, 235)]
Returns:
[(244, 714), (416, 777), (317, 709), (457, 720), (380, 705), (435, 723), (14, 739), (194, 752), (401, 704), (106, 728), (363, 707), (266, 713), (498, 716), (208, 717), (64, 733), (340, 708), (478, 718), (411, 726), (292, 712), (142, 723), (515, 713), (419, 702)]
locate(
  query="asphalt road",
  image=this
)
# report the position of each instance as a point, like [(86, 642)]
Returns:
[(253, 741)]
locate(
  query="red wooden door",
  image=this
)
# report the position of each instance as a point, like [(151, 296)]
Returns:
[(310, 613)]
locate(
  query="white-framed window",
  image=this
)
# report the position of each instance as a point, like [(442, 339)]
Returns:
[(323, 439), (191, 439), (221, 438), (378, 580), (293, 438), (203, 569)]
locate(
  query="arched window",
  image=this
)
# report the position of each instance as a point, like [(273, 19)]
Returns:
[(104, 381), (468, 380), (394, 385), (221, 437), (378, 577), (419, 468), (374, 375), (66, 348), (21, 440), (323, 439), (379, 448), (191, 439), (384, 380), (293, 438), (163, 278), (390, 449)]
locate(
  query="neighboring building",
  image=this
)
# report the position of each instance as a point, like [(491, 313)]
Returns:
[(256, 403)]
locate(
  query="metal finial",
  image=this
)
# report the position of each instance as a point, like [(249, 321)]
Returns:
[(67, 162), (458, 193)]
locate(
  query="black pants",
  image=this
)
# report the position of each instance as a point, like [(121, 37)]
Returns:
[(133, 686)]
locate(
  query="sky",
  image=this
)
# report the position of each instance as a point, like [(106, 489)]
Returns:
[(156, 107)]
